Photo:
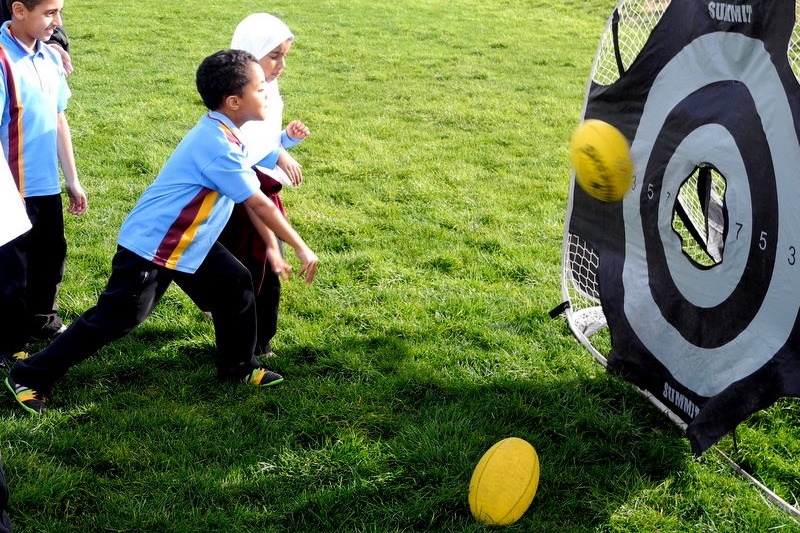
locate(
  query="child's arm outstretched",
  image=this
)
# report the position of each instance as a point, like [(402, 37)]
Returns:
[(265, 216), (77, 196)]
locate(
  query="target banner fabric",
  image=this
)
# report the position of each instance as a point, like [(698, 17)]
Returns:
[(711, 91)]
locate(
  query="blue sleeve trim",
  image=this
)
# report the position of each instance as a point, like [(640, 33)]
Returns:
[(271, 159)]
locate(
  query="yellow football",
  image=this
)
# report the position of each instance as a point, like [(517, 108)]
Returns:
[(602, 160), (504, 482)]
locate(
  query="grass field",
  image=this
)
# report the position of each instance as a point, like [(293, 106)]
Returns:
[(436, 187)]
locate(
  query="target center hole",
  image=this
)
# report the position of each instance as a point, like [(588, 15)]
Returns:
[(699, 216)]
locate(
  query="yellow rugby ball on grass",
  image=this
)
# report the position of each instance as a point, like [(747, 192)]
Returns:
[(504, 482), (602, 160)]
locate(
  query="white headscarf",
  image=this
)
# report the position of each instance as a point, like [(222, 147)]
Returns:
[(260, 34)]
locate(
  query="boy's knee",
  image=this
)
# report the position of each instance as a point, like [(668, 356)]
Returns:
[(239, 282)]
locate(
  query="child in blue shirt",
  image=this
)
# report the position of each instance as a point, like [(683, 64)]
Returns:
[(35, 138), (171, 235)]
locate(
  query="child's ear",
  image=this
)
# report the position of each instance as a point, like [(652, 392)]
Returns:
[(232, 102), (18, 9)]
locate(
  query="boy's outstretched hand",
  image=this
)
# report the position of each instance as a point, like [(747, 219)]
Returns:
[(78, 203), (283, 269), (310, 262)]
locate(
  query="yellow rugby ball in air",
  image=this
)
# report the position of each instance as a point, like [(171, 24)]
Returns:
[(602, 160), (504, 482)]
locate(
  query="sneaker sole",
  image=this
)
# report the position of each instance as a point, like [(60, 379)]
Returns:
[(271, 383), (14, 394)]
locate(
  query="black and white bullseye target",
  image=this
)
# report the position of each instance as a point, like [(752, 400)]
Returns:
[(697, 270)]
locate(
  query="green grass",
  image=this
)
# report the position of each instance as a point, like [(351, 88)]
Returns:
[(435, 195)]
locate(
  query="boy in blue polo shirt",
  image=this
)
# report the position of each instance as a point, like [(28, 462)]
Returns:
[(35, 138), (171, 235)]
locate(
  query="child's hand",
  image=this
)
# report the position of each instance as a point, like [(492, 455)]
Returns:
[(279, 264), (310, 262), (65, 57), (297, 130), (78, 203), (292, 168)]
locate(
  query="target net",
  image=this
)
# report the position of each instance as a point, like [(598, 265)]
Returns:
[(699, 215)]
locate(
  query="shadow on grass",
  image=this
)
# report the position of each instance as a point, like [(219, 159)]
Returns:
[(600, 443), (366, 435)]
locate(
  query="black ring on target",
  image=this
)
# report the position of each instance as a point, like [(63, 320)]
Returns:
[(712, 104)]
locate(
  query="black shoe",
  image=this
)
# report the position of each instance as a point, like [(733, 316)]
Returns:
[(261, 377), (29, 399)]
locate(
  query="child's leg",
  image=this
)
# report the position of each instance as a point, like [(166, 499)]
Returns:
[(267, 286), (267, 303), (135, 287), (243, 241), (13, 316), (47, 252), (222, 285)]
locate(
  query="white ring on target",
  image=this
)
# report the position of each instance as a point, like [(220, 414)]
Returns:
[(708, 59), (705, 287)]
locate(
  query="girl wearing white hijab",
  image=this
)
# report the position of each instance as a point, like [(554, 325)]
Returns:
[(269, 40)]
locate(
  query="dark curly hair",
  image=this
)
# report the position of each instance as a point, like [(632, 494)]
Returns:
[(223, 74), (29, 4)]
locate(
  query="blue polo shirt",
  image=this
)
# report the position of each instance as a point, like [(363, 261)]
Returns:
[(182, 213), (33, 92)]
